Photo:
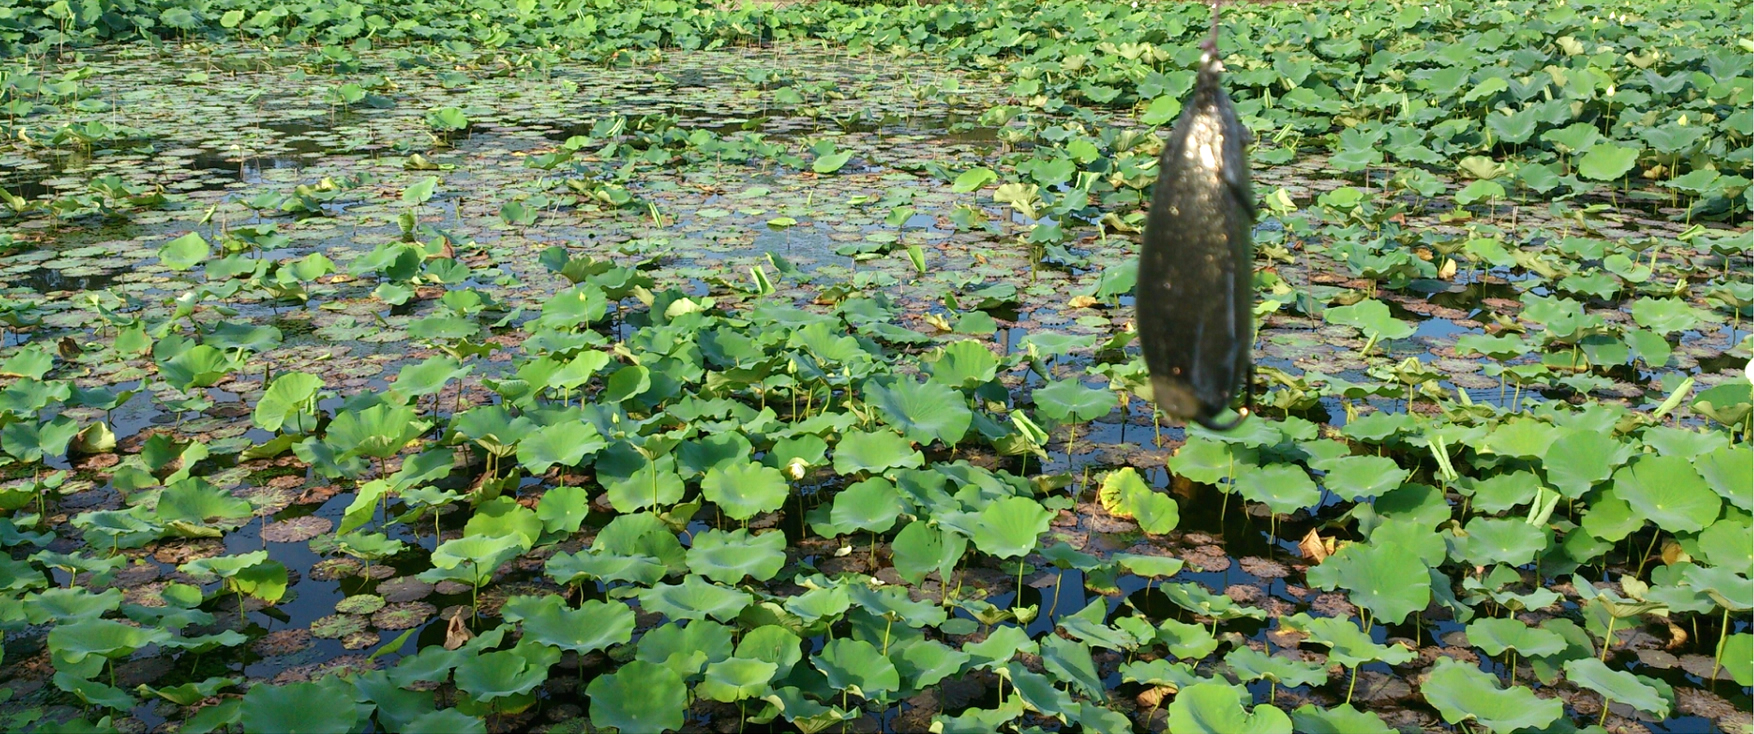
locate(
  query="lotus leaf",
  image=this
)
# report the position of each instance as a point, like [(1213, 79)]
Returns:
[(322, 707), (694, 598), (728, 557), (638, 697), (1669, 492), (1217, 708), (1009, 527), (874, 452), (1462, 692), (745, 490), (1125, 494)]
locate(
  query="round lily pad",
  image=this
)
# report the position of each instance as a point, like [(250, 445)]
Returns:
[(337, 626), (360, 604)]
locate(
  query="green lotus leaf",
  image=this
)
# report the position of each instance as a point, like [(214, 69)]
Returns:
[(1501, 492), (1494, 636), (1149, 566), (191, 693), (638, 697), (1729, 589), (1038, 691), (1667, 490), (1197, 599), (641, 534), (1125, 494), (1606, 161), (694, 598), (654, 484), (1360, 477), (1000, 646), (1371, 317), (68, 605), (745, 490), (1161, 673), (223, 567), (871, 505), (503, 516), (1672, 441), (1461, 692), (922, 411), (1384, 577), (30, 442), (875, 452), (1668, 315), (686, 650), (595, 625), (1522, 437), (772, 643), (1341, 719), (921, 548), (1211, 462), (1738, 657), (379, 431), (727, 557), (1348, 645), (562, 444), (505, 673), (289, 396), (196, 366), (480, 554), (1283, 488), (265, 581), (924, 663), (1729, 403), (1616, 685), (965, 364), (1069, 401), (563, 509), (1580, 459), (573, 568), (1217, 708), (322, 707), (1250, 664), (194, 500), (718, 451), (442, 721), (1009, 527), (735, 679), (184, 252), (422, 190), (1490, 541), (1190, 641), (94, 693), (858, 667), (831, 162), (101, 637), (1071, 662)]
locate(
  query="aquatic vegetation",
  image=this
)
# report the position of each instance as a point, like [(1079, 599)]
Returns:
[(684, 366)]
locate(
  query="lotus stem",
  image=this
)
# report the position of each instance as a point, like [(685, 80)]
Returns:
[(1717, 656), (1353, 684), (1056, 605)]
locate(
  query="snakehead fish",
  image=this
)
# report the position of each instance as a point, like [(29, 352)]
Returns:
[(1195, 298)]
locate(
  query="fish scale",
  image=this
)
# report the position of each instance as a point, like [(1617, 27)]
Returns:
[(1194, 294)]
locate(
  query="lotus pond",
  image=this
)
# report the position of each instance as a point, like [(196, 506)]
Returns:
[(459, 365)]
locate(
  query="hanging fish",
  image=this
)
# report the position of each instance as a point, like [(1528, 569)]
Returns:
[(1196, 271)]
